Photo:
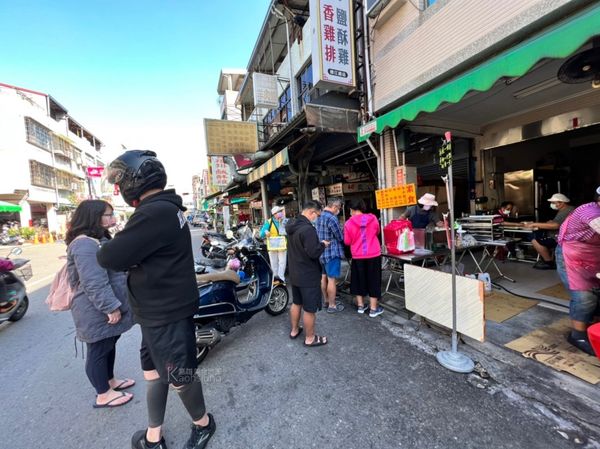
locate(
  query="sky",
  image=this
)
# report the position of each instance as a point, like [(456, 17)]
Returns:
[(141, 73)]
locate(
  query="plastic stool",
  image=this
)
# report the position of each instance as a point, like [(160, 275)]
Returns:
[(594, 335)]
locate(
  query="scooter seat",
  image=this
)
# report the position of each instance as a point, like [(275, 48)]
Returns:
[(226, 275)]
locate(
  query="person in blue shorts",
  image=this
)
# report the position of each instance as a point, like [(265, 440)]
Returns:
[(328, 228)]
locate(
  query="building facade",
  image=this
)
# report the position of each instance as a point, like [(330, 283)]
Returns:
[(508, 79), (45, 154)]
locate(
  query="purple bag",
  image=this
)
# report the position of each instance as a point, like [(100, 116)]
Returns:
[(6, 265)]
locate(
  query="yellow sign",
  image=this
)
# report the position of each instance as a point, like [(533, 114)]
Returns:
[(398, 196), (225, 137)]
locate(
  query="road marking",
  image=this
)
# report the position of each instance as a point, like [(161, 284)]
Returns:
[(44, 279)]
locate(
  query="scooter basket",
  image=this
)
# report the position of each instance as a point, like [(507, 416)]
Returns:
[(25, 272)]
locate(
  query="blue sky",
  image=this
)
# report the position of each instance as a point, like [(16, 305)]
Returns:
[(140, 73)]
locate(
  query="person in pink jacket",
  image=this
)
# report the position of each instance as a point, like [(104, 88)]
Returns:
[(360, 233)]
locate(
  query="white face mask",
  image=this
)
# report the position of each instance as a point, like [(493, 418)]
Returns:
[(426, 207), (553, 206)]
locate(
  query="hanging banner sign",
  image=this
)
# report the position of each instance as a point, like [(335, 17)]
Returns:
[(332, 43), (399, 196)]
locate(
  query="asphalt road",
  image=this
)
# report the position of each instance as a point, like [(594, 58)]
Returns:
[(368, 388)]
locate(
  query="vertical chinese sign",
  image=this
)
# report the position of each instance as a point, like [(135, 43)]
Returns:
[(220, 172), (333, 57)]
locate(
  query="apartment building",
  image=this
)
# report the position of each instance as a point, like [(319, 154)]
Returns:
[(45, 155)]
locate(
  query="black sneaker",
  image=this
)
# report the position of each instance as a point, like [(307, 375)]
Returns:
[(138, 441), (581, 343), (543, 265), (200, 435)]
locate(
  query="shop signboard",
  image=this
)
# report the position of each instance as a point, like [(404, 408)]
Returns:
[(367, 128), (332, 43), (219, 171), (95, 172), (229, 137), (406, 174), (357, 187), (318, 194), (399, 196), (335, 189), (264, 87)]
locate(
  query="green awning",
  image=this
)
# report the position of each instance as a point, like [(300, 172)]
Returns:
[(9, 207), (559, 42)]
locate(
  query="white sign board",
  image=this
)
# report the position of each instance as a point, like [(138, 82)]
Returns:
[(332, 43), (219, 171), (265, 90)]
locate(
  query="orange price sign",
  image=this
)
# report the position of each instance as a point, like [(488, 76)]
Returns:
[(399, 196)]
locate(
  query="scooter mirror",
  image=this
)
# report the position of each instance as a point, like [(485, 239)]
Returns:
[(16, 251)]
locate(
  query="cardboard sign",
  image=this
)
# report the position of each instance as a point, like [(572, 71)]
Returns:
[(399, 196)]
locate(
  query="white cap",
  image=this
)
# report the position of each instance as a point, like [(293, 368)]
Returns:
[(559, 197), (428, 200), (276, 209)]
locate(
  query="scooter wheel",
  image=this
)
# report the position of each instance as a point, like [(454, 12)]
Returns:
[(21, 310), (279, 300)]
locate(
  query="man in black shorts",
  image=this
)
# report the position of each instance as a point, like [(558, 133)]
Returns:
[(304, 251), (156, 248)]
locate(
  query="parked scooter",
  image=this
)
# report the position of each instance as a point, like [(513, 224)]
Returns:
[(229, 298), (13, 294), (6, 239)]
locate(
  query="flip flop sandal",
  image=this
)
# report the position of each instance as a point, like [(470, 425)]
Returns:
[(293, 337), (318, 341), (110, 404), (124, 386)]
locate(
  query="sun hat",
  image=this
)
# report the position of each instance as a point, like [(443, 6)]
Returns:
[(428, 200), (276, 209), (559, 197)]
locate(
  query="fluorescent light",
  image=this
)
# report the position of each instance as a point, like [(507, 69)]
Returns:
[(536, 88)]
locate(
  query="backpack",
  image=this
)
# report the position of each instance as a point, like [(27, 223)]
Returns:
[(62, 292)]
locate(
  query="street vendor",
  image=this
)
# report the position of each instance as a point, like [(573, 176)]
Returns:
[(544, 236), (423, 213), (274, 232)]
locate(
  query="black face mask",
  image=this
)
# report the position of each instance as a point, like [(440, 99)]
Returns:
[(420, 206)]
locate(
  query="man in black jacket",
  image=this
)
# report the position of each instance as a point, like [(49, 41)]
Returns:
[(156, 248), (304, 251)]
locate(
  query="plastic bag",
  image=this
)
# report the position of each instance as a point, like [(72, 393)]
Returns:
[(406, 241)]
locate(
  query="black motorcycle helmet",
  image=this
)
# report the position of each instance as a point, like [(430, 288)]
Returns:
[(136, 172)]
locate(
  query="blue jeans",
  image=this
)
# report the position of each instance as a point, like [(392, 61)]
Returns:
[(584, 304)]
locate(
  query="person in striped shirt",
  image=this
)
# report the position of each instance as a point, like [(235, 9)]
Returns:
[(577, 263)]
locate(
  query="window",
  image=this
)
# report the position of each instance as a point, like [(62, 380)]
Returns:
[(64, 180), (37, 134), (285, 107), (62, 145), (41, 175), (305, 84)]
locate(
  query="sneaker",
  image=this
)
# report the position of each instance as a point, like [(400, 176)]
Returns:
[(582, 344), (338, 308), (138, 441), (543, 265), (200, 435), (378, 311), (361, 309)]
